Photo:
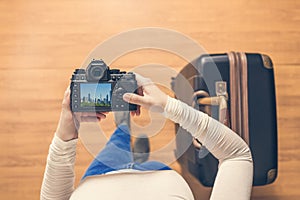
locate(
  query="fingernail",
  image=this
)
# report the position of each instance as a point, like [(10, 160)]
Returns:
[(126, 97)]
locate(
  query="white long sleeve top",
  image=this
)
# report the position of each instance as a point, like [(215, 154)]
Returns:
[(233, 181)]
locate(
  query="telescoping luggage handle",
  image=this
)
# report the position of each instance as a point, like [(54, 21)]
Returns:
[(238, 120), (203, 99)]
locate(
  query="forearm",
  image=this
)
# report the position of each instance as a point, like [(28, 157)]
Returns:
[(58, 182), (234, 179)]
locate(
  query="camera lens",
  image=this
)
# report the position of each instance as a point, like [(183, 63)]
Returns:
[(96, 71)]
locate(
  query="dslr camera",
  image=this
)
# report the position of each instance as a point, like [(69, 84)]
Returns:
[(98, 88)]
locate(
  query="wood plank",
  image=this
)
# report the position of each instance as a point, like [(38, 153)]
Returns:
[(43, 41)]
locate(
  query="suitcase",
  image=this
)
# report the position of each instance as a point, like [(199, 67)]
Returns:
[(238, 90)]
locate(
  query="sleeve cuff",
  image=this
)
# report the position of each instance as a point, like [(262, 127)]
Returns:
[(170, 107), (63, 145)]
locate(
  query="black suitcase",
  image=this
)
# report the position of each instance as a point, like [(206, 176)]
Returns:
[(250, 110)]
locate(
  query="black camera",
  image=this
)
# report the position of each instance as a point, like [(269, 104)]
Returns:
[(98, 88)]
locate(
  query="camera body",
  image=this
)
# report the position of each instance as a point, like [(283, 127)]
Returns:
[(100, 89)]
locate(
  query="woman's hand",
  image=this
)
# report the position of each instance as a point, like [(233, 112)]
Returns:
[(69, 122), (149, 95)]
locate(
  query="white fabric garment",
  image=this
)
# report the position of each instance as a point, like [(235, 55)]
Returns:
[(234, 178)]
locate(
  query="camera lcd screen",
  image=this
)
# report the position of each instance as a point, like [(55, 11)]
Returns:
[(95, 94)]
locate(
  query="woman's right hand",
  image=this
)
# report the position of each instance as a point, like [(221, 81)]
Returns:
[(149, 95)]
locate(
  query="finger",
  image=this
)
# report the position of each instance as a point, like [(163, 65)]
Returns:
[(140, 91), (93, 114), (67, 92), (88, 114), (138, 110), (142, 81), (132, 113), (105, 113), (139, 78), (66, 100), (89, 119), (101, 115), (135, 112), (133, 98)]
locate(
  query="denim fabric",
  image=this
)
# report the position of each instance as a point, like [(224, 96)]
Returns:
[(117, 155)]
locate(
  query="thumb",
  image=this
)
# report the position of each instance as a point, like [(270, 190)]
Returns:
[(133, 98)]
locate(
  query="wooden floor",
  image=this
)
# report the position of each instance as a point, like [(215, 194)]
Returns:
[(43, 41)]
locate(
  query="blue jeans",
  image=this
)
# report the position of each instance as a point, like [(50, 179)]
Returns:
[(117, 155)]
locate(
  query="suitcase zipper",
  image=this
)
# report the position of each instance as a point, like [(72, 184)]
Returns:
[(244, 94), (239, 94), (234, 86)]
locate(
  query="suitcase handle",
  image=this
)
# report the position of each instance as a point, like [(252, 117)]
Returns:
[(203, 99), (219, 100)]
